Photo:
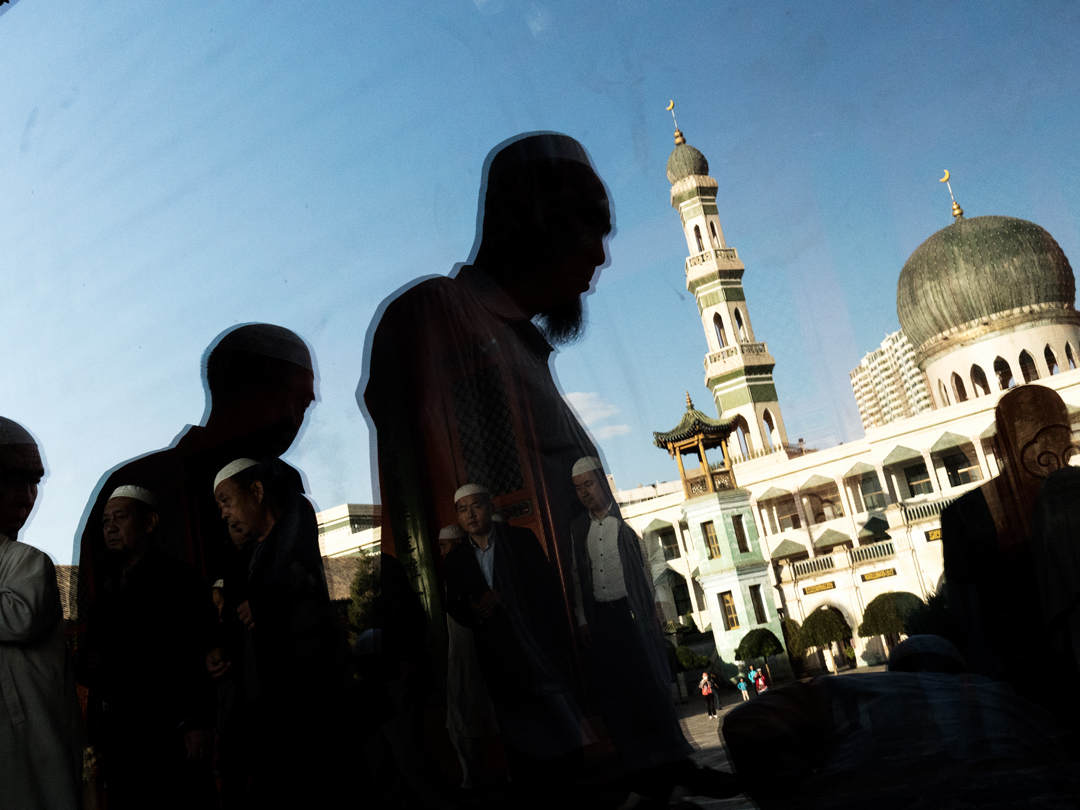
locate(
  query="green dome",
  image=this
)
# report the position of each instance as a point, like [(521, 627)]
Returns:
[(976, 268), (685, 160)]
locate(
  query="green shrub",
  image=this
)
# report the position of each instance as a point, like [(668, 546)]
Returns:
[(689, 660), (364, 590), (759, 643), (893, 613), (823, 627)]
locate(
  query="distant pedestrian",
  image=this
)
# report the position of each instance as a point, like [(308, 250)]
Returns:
[(759, 682), (708, 690), (744, 688)]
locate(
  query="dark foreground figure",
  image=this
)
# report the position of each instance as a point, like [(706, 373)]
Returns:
[(926, 734)]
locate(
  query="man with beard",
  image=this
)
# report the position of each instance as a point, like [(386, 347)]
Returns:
[(260, 382), (40, 729), (151, 706), (289, 676), (459, 386)]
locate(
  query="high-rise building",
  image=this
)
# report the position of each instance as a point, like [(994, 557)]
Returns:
[(888, 385)]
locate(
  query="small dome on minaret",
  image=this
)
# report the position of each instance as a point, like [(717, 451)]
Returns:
[(685, 160)]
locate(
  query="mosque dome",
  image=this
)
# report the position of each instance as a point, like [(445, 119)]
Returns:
[(685, 160), (978, 268)]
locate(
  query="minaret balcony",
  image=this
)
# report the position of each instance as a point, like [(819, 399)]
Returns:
[(734, 357), (717, 261)]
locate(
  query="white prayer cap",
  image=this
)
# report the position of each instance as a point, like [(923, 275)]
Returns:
[(232, 468), (497, 518), (584, 465), (12, 432), (470, 489), (139, 494), (451, 532), (218, 584)]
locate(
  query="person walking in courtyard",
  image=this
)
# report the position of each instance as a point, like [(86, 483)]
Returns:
[(708, 691), (744, 688), (759, 682)]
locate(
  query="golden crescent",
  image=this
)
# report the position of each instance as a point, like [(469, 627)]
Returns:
[(945, 179), (670, 106)]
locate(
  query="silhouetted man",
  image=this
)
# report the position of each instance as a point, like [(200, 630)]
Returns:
[(460, 388), (260, 382), (500, 584), (151, 705), (40, 728), (289, 659)]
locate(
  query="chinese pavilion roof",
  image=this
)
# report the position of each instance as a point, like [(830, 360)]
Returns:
[(695, 423)]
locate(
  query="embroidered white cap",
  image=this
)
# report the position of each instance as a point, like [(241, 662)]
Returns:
[(232, 468), (139, 494), (584, 465), (470, 489), (451, 532)]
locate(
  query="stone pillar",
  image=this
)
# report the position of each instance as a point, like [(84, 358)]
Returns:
[(984, 463), (934, 483), (884, 479)]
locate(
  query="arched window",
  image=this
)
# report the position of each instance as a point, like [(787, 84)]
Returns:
[(1069, 356), (958, 388), (742, 433), (721, 335), (715, 238), (700, 244), (1027, 367), (739, 326), (979, 382), (1051, 361), (771, 435), (1004, 374), (943, 392)]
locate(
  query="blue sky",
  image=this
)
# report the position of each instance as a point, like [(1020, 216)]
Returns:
[(170, 169)]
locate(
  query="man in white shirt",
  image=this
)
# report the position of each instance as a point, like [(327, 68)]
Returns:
[(618, 621), (40, 726)]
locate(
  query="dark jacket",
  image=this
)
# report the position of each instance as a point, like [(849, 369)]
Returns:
[(525, 641)]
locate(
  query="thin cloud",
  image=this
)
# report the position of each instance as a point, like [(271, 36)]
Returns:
[(590, 407), (610, 431)]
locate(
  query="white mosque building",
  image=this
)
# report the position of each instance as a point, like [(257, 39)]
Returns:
[(987, 303)]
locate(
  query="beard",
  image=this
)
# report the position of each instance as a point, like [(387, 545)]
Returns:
[(563, 324)]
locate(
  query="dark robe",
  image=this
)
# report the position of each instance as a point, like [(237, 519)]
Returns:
[(191, 528), (151, 629), (522, 647), (291, 668), (460, 390)]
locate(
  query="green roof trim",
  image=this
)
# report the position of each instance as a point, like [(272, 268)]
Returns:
[(788, 548), (874, 527), (669, 576), (773, 492), (694, 422), (900, 453), (816, 480), (684, 161), (656, 526), (948, 441), (831, 537), (860, 468), (990, 432)]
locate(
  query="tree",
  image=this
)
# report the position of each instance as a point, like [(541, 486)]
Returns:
[(822, 627), (364, 590), (794, 643), (759, 643), (689, 660), (893, 613)]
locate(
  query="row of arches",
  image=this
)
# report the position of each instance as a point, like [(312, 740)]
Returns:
[(712, 233), (721, 333), (1003, 375), (770, 434)]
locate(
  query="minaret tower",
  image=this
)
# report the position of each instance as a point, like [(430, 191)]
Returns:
[(738, 369)]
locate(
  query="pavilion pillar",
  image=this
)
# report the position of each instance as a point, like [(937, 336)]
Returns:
[(682, 474)]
